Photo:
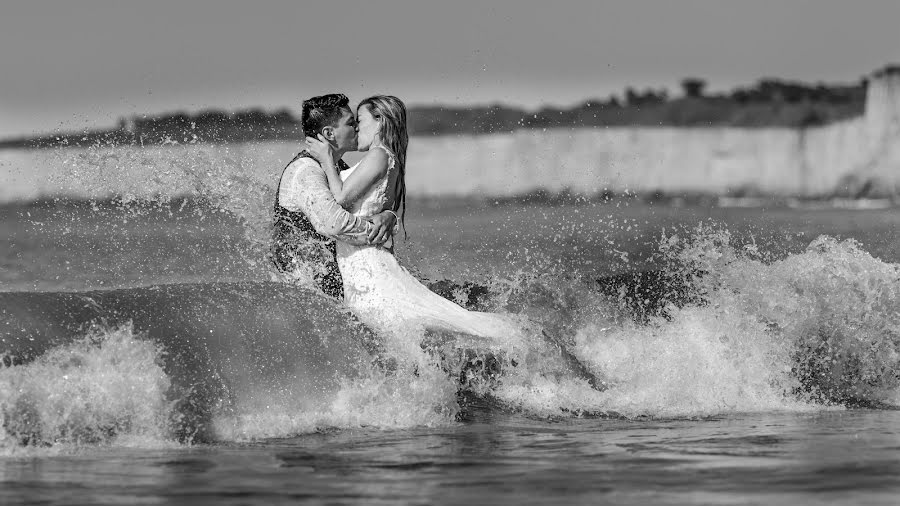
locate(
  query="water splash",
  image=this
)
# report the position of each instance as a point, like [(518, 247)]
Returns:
[(818, 328), (235, 178), (807, 331), (377, 400), (105, 387)]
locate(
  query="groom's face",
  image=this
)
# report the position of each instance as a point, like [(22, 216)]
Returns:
[(345, 132)]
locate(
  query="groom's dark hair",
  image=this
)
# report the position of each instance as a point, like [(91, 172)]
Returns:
[(323, 111)]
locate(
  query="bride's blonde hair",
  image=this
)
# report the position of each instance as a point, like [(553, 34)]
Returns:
[(392, 113)]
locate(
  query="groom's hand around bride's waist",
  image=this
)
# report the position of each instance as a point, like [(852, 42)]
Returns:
[(382, 227)]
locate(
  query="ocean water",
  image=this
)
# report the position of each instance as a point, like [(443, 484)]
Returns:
[(151, 356)]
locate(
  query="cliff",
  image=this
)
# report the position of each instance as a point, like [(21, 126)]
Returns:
[(859, 157)]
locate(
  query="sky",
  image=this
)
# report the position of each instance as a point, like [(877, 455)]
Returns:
[(71, 65)]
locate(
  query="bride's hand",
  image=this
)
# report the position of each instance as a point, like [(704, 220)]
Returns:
[(320, 149)]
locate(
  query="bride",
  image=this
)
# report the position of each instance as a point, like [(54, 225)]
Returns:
[(376, 287)]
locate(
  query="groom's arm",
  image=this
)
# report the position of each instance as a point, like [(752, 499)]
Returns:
[(323, 211)]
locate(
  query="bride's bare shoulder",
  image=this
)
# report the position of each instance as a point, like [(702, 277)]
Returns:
[(377, 157)]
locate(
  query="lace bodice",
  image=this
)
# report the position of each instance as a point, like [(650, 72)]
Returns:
[(378, 198)]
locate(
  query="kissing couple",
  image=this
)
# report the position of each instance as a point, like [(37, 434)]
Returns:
[(333, 224)]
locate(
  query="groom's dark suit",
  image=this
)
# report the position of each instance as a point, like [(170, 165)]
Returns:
[(308, 220)]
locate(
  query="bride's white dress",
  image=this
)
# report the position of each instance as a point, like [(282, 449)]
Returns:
[(387, 297)]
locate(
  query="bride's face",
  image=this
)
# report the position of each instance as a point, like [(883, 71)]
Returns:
[(369, 128)]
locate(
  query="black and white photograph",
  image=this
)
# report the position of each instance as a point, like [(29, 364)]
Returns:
[(449, 253)]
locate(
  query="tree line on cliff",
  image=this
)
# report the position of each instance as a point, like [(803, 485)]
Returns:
[(769, 103)]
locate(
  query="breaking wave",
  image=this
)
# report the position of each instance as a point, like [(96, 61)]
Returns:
[(728, 330)]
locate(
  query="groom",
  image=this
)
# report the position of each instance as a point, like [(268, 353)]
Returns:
[(307, 218)]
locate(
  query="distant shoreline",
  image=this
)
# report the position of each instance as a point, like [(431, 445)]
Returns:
[(193, 203), (768, 104)]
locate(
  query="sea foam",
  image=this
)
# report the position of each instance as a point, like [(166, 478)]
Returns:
[(105, 386)]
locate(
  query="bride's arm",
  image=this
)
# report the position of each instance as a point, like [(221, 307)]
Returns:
[(370, 170)]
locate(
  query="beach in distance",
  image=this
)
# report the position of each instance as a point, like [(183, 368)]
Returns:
[(852, 158)]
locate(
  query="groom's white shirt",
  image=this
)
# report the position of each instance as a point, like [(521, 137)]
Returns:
[(304, 187)]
